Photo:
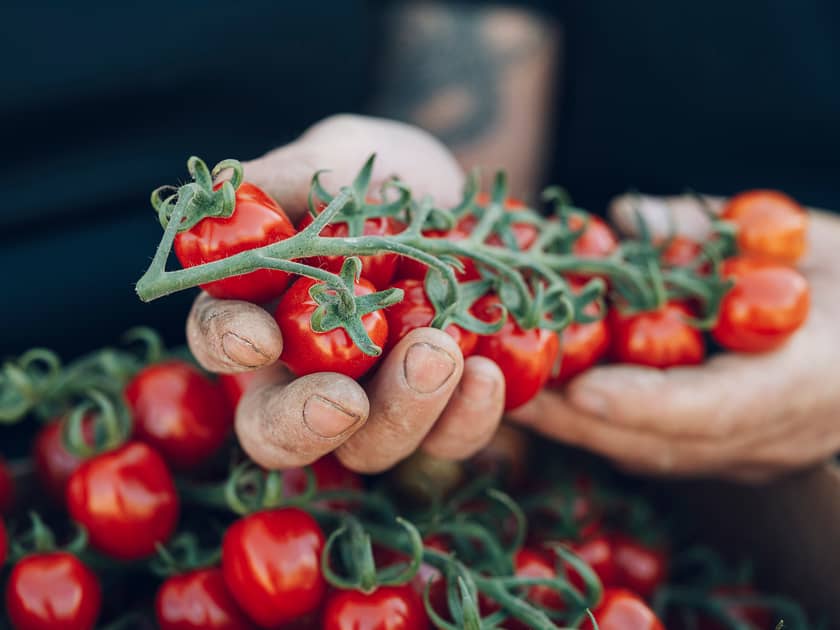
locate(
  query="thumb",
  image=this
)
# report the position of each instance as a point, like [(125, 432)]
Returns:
[(685, 215)]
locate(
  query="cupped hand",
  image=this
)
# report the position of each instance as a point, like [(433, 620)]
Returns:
[(423, 394), (742, 417)]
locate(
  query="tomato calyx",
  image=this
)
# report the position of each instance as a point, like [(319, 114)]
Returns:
[(39, 538), (183, 554)]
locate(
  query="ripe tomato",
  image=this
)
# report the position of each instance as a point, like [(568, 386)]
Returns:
[(639, 567), (681, 252), (597, 241), (770, 225), (272, 565), (53, 462), (415, 270), (329, 475), (53, 591), (536, 563), (581, 345), (196, 601), (378, 269), (7, 488), (526, 357), (234, 385), (257, 220), (184, 415), (4, 543), (386, 608), (525, 234), (599, 553), (305, 351), (768, 303), (755, 616), (126, 500), (416, 311), (660, 338), (622, 610)]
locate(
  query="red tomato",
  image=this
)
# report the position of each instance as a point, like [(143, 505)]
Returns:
[(53, 591), (757, 617), (657, 338), (768, 303), (770, 225), (378, 269), (414, 269), (599, 553), (272, 565), (416, 311), (126, 500), (597, 240), (525, 234), (53, 462), (257, 220), (622, 610), (681, 252), (582, 345), (526, 357), (639, 567), (4, 543), (234, 385), (305, 351), (180, 412), (386, 608), (7, 488), (329, 475), (536, 563), (198, 600)]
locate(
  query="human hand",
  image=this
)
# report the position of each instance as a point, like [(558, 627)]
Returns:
[(423, 394), (743, 417)]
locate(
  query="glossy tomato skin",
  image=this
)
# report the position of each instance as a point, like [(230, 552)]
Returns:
[(306, 352), (53, 591), (526, 357), (257, 220), (235, 385), (7, 488), (680, 251), (378, 269), (597, 240), (180, 412), (386, 608), (599, 553), (639, 567), (582, 345), (414, 269), (272, 565), (770, 225), (768, 303), (660, 338), (416, 311), (329, 473), (535, 563), (622, 610), (126, 500), (196, 601), (756, 616), (54, 464)]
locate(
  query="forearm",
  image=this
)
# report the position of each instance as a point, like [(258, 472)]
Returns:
[(480, 78)]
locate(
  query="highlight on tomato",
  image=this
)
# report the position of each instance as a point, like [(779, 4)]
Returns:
[(662, 338), (621, 609), (386, 608), (54, 464), (198, 600)]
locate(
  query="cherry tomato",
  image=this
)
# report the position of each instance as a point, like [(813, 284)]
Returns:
[(272, 565), (768, 303), (305, 351), (524, 234), (378, 269), (536, 563), (639, 567), (680, 252), (660, 338), (53, 462), (386, 608), (526, 357), (234, 385), (622, 610), (415, 270), (329, 475), (257, 220), (756, 616), (196, 601), (180, 412), (597, 239), (53, 591), (126, 500), (7, 488), (582, 345), (599, 553), (416, 311), (770, 225), (4, 543)]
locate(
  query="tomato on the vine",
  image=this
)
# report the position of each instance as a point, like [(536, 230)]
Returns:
[(329, 475), (582, 345), (416, 311), (305, 351), (524, 233), (640, 567), (257, 220), (768, 303), (386, 608), (235, 385), (416, 270), (770, 225), (180, 412), (597, 239), (272, 565), (599, 553), (680, 251), (526, 357), (622, 610), (755, 616), (535, 563), (662, 338), (53, 462), (7, 488), (378, 269), (198, 600), (126, 500), (53, 591)]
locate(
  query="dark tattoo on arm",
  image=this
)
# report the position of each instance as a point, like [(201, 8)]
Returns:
[(443, 67)]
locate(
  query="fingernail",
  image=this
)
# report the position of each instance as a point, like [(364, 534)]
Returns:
[(427, 367), (477, 386), (589, 400), (327, 418), (241, 351)]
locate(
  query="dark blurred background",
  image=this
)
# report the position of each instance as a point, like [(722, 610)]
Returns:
[(101, 103)]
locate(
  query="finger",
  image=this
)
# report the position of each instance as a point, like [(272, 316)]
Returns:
[(283, 425), (229, 336), (472, 415), (408, 393), (686, 215)]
